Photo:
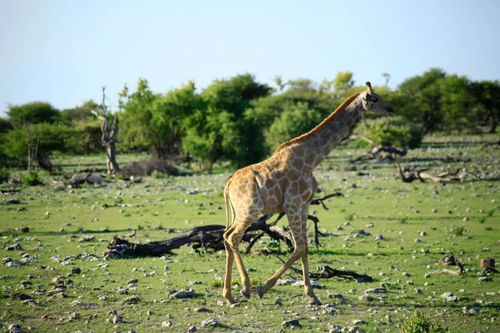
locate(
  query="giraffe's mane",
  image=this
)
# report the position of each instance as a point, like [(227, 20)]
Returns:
[(318, 127)]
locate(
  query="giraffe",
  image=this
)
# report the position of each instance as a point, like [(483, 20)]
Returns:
[(285, 183)]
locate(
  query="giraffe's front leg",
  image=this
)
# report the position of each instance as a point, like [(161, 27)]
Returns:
[(300, 243), (308, 289)]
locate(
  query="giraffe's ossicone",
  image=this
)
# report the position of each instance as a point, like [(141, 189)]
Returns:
[(285, 183)]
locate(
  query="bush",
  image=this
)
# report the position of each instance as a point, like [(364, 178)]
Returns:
[(418, 323), (4, 175), (394, 131), (31, 179)]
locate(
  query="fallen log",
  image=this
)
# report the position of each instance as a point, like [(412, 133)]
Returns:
[(210, 237), (443, 178), (326, 272)]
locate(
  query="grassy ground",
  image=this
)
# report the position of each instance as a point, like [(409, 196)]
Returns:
[(420, 223)]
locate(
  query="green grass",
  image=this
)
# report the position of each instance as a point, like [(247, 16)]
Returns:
[(420, 223)]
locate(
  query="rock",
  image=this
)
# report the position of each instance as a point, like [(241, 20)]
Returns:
[(20, 296), (449, 297), (365, 297), (14, 328), (191, 329), (278, 301), (291, 323), (76, 270), (181, 294), (358, 322), (210, 323), (166, 323), (14, 247), (116, 319), (487, 263), (376, 290), (131, 300), (332, 328), (379, 237), (359, 233), (201, 309), (484, 279)]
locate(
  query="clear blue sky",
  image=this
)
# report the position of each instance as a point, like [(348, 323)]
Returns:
[(63, 52)]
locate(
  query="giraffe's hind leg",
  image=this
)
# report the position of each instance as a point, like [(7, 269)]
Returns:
[(233, 241), (229, 267)]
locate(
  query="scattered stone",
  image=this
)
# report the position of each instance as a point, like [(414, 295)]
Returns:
[(365, 297), (332, 328), (73, 316), (14, 328), (166, 323), (360, 233), (358, 322), (191, 329), (182, 294), (131, 300), (117, 319), (376, 290), (379, 237), (278, 301), (488, 265), (484, 278), (20, 296), (14, 247), (202, 309), (87, 238), (291, 323), (210, 323), (369, 225), (449, 297), (76, 270), (447, 260)]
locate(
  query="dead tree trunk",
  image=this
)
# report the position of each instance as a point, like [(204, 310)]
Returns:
[(443, 178), (109, 134), (211, 237)]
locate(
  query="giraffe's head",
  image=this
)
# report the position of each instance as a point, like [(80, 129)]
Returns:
[(373, 102)]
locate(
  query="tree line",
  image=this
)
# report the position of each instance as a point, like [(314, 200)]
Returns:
[(241, 120)]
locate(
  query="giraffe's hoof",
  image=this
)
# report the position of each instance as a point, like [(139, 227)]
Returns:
[(314, 301), (260, 292), (245, 293), (230, 301)]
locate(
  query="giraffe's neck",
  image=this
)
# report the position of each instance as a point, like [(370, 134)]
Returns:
[(318, 143)]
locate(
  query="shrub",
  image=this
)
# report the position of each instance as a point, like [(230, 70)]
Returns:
[(419, 323), (394, 131), (4, 175), (31, 179)]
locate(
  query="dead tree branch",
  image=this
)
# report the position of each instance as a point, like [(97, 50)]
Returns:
[(443, 178), (211, 237)]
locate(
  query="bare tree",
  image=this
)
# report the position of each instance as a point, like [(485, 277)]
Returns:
[(109, 133)]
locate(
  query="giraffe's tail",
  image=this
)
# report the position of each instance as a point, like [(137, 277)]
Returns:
[(230, 214)]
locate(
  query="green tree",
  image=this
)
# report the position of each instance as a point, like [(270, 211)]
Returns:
[(155, 121), (393, 131), (38, 140), (228, 100), (33, 113), (487, 103), (343, 83), (419, 100), (457, 103), (291, 123), (79, 113), (211, 135)]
